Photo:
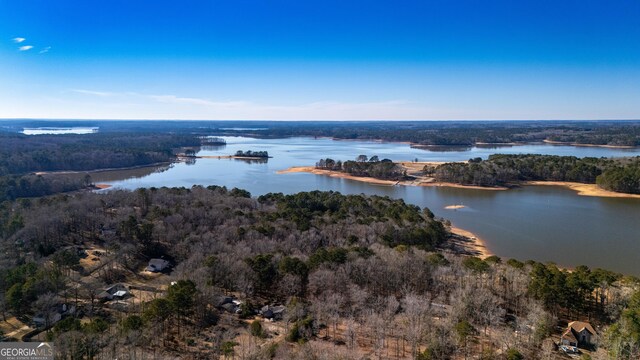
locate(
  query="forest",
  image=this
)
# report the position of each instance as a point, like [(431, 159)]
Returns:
[(428, 133), (621, 175), (357, 276), (453, 133), (22, 155), (364, 166)]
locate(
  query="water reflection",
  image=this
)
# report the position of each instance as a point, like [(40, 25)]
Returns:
[(212, 147), (253, 160), (443, 148)]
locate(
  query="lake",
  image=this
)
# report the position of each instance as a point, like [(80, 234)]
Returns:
[(542, 223), (59, 130)]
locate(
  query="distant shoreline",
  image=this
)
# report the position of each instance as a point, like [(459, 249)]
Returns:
[(370, 180), (580, 188), (62, 172), (480, 143), (551, 142)]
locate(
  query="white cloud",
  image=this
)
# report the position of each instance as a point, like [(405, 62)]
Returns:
[(170, 106), (172, 99), (92, 92), (18, 40), (25, 48), (45, 50)]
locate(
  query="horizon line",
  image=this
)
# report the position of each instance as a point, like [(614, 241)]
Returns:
[(312, 120)]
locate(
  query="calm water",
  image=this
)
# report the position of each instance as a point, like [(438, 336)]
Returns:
[(540, 223)]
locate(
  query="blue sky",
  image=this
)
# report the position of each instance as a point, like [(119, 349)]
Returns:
[(328, 60)]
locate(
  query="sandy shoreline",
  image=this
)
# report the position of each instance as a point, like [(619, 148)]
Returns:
[(337, 174), (583, 189), (470, 243), (419, 181)]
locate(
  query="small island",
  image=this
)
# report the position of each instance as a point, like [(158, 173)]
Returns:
[(260, 156), (252, 154)]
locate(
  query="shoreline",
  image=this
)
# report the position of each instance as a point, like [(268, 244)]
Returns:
[(62, 172), (225, 157), (580, 188), (552, 142), (480, 143), (583, 189), (468, 243), (337, 174), (420, 181)]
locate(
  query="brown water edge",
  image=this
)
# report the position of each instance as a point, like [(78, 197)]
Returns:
[(584, 189), (580, 188), (419, 181)]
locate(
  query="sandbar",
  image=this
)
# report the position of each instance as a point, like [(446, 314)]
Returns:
[(454, 207), (584, 189)]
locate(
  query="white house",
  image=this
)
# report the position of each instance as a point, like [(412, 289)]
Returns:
[(157, 265)]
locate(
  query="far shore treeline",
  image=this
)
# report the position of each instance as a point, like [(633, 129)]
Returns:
[(22, 155)]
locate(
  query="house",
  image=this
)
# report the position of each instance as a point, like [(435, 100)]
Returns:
[(223, 300), (230, 308), (157, 265), (273, 312), (115, 292), (578, 333), (53, 315)]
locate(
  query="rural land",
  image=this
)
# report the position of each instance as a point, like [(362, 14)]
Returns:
[(205, 272)]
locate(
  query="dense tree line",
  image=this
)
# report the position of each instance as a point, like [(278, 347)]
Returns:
[(451, 133), (621, 175), (623, 178), (251, 153), (350, 268), (15, 186), (447, 133), (365, 166), (21, 154)]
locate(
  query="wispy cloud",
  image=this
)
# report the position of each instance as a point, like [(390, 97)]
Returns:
[(25, 48), (172, 99), (45, 50), (18, 40), (173, 106), (95, 93)]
